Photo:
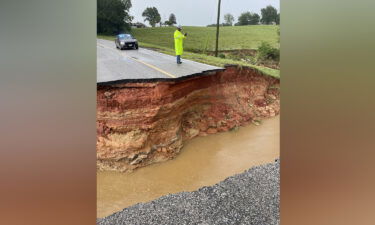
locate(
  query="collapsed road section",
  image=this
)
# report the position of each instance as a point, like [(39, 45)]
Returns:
[(140, 122), (113, 64)]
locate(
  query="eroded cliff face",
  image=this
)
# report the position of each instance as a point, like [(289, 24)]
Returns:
[(143, 123)]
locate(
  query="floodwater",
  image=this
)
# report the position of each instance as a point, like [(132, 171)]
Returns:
[(203, 161)]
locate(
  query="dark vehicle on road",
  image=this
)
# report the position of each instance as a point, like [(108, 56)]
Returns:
[(124, 41)]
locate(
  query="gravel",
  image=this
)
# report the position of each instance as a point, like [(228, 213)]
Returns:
[(251, 197)]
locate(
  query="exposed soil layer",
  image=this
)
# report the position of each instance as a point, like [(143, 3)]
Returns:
[(202, 161), (139, 123)]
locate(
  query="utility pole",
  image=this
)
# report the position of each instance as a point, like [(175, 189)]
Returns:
[(217, 29)]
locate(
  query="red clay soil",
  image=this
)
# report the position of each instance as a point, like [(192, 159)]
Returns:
[(143, 123)]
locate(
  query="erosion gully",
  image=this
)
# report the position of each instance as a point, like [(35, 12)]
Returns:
[(158, 137)]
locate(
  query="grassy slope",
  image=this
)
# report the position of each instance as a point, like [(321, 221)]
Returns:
[(203, 39)]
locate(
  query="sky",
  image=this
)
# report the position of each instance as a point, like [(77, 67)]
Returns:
[(198, 12)]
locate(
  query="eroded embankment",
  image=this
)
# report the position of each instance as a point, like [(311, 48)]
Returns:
[(139, 123)]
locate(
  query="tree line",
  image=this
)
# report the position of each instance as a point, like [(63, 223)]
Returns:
[(151, 14), (113, 17), (269, 16)]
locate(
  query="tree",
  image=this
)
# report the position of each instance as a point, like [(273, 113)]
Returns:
[(229, 19), (278, 19), (244, 19), (152, 15), (172, 20), (269, 15), (248, 18), (254, 19), (113, 16)]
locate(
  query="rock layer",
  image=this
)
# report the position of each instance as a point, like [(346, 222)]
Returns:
[(139, 123)]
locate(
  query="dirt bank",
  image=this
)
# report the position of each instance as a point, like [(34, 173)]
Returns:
[(139, 123), (202, 161)]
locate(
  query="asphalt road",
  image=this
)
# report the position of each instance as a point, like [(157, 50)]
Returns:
[(114, 64), (252, 197)]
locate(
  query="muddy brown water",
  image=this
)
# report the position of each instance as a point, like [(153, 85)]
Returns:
[(202, 162)]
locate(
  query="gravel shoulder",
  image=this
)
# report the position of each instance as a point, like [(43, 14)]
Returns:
[(251, 197)]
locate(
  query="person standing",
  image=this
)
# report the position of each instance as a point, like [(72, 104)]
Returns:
[(179, 43)]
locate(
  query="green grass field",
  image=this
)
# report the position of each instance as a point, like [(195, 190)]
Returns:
[(202, 39)]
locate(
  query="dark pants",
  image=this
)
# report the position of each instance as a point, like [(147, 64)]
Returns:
[(178, 59)]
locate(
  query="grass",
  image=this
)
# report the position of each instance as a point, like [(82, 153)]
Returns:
[(202, 39)]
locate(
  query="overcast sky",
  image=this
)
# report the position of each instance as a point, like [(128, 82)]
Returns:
[(198, 12)]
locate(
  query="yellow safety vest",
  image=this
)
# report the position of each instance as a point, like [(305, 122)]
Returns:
[(179, 42)]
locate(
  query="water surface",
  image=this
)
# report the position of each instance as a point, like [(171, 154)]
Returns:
[(203, 161)]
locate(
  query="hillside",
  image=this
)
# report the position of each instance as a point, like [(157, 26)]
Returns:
[(203, 38)]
